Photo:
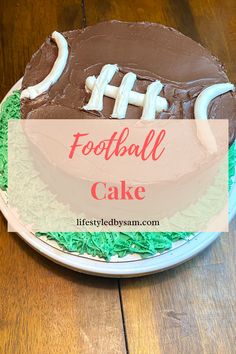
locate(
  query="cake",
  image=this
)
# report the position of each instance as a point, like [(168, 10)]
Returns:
[(138, 56)]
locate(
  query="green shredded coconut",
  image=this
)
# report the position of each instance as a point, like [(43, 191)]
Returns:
[(101, 244), (10, 109)]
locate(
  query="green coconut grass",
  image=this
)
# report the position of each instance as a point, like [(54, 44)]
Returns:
[(101, 244)]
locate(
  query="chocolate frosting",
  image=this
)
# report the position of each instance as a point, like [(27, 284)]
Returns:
[(151, 51)]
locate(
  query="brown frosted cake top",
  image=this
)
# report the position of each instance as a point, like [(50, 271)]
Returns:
[(151, 51)]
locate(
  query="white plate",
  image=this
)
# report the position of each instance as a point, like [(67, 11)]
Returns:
[(129, 266)]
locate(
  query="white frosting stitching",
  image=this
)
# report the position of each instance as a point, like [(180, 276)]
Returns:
[(149, 107), (134, 98), (151, 102), (32, 92), (122, 97), (99, 87)]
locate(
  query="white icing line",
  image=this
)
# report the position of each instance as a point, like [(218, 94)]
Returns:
[(207, 95), (149, 107), (99, 87), (135, 98), (204, 132), (32, 92), (122, 97)]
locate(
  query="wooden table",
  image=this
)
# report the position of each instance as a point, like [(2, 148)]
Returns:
[(47, 309)]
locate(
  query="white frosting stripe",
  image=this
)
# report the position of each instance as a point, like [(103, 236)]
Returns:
[(122, 96), (207, 95), (32, 92), (204, 132), (149, 107), (99, 87), (135, 98)]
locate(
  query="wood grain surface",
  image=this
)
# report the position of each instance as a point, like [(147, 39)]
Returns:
[(47, 309)]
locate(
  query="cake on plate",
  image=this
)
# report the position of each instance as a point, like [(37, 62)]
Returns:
[(107, 71)]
